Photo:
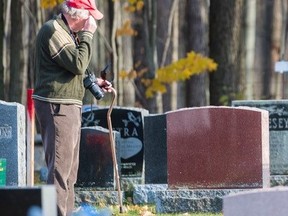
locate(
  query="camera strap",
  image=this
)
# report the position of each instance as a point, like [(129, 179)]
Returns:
[(88, 72)]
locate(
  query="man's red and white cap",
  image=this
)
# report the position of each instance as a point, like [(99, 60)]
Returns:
[(87, 5)]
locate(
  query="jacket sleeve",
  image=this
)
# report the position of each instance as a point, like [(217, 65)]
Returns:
[(64, 51)]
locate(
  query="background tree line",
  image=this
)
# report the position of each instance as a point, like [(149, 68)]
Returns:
[(138, 37)]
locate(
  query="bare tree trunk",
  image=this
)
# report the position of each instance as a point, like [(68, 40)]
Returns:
[(102, 50), (225, 47), (197, 37), (26, 38), (17, 70), (250, 46), (6, 49), (2, 84), (175, 56), (115, 25), (164, 48), (125, 61), (284, 47), (182, 28), (263, 66), (278, 44), (145, 57), (35, 25)]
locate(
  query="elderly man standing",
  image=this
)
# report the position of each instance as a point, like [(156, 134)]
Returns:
[(63, 52)]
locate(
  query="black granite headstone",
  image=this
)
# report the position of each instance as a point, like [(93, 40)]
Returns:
[(96, 167), (30, 201), (155, 139), (129, 123)]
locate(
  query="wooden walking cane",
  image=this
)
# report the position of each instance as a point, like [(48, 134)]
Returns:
[(112, 142)]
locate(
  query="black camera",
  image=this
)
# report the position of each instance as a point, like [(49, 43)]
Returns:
[(90, 83)]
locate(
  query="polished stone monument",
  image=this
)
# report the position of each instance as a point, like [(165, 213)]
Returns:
[(155, 139), (278, 130), (218, 148), (129, 123), (96, 167), (13, 142)]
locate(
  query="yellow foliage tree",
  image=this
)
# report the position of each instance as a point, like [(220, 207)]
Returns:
[(180, 70), (134, 5), (50, 3), (126, 30)]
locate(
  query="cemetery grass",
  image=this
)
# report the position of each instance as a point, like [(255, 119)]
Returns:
[(130, 209), (144, 210)]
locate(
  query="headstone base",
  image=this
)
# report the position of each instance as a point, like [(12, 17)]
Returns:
[(182, 200), (96, 197), (145, 194), (128, 184), (279, 180)]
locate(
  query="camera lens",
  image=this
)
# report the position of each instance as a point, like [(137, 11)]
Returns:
[(96, 91), (89, 83)]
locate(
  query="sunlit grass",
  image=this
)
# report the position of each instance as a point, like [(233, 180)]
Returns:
[(145, 210)]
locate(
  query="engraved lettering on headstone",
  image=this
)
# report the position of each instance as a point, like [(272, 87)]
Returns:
[(5, 132), (129, 123), (278, 116), (278, 123)]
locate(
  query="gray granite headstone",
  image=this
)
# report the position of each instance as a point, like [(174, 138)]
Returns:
[(278, 131), (260, 202), (155, 139), (96, 167), (129, 123), (12, 142), (28, 201)]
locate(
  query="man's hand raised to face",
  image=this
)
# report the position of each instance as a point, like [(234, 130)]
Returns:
[(90, 25)]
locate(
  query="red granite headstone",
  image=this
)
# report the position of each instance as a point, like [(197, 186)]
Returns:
[(95, 158), (218, 147)]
